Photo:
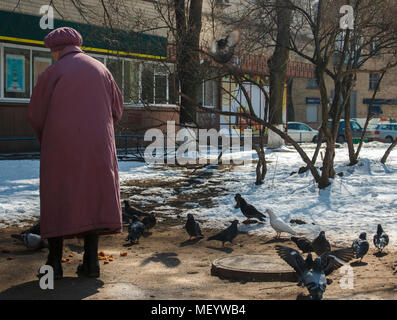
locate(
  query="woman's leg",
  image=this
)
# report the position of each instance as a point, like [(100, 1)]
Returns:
[(90, 265)]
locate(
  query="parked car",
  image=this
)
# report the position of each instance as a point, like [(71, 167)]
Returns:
[(385, 132), (356, 130), (301, 132)]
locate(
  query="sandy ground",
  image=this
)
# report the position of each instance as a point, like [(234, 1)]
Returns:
[(164, 265)]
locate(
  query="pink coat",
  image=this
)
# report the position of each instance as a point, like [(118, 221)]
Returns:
[(72, 110)]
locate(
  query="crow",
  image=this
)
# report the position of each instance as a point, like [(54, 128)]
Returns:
[(226, 235), (247, 209), (192, 227)]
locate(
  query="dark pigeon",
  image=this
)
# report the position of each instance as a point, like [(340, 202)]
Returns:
[(226, 235), (35, 229), (247, 209), (149, 221), (381, 239), (135, 230), (192, 227), (312, 272), (304, 244), (223, 49), (360, 246), (320, 244), (132, 211)]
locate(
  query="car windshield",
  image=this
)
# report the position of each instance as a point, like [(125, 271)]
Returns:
[(355, 126)]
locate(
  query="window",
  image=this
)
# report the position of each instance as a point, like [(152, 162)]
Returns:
[(140, 81), (303, 127), (355, 126), (115, 66), (160, 85), (131, 82), (373, 80), (376, 110), (207, 93), (374, 49), (16, 73), (311, 83), (311, 113), (147, 84), (41, 61), (293, 126)]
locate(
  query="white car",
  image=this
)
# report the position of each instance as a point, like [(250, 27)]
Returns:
[(301, 132)]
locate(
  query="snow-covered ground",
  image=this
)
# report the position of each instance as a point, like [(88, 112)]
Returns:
[(363, 197)]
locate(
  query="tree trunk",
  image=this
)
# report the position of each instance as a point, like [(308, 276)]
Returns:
[(278, 70), (187, 56), (261, 167), (385, 156)]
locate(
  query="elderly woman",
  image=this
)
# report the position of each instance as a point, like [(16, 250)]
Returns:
[(72, 111)]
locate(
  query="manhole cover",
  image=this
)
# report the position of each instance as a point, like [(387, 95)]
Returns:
[(255, 267)]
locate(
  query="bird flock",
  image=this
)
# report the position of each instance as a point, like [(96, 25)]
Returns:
[(312, 271)]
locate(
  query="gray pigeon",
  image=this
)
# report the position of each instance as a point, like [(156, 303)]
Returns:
[(31, 240), (381, 239), (312, 272), (247, 209), (321, 244), (135, 230), (192, 227), (223, 49), (226, 235), (361, 246)]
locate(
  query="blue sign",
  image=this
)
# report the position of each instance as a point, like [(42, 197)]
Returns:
[(15, 76), (381, 101), (313, 101)]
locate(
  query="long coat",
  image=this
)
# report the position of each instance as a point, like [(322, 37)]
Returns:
[(72, 111)]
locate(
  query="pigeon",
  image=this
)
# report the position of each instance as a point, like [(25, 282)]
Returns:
[(304, 244), (321, 244), (278, 224), (132, 211), (149, 221), (135, 230), (381, 239), (31, 240), (223, 49), (361, 246), (226, 235), (247, 209), (192, 227), (312, 272), (35, 229)]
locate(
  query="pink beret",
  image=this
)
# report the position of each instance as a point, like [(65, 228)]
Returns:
[(59, 38)]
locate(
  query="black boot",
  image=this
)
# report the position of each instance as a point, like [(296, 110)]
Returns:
[(90, 265), (55, 247)]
